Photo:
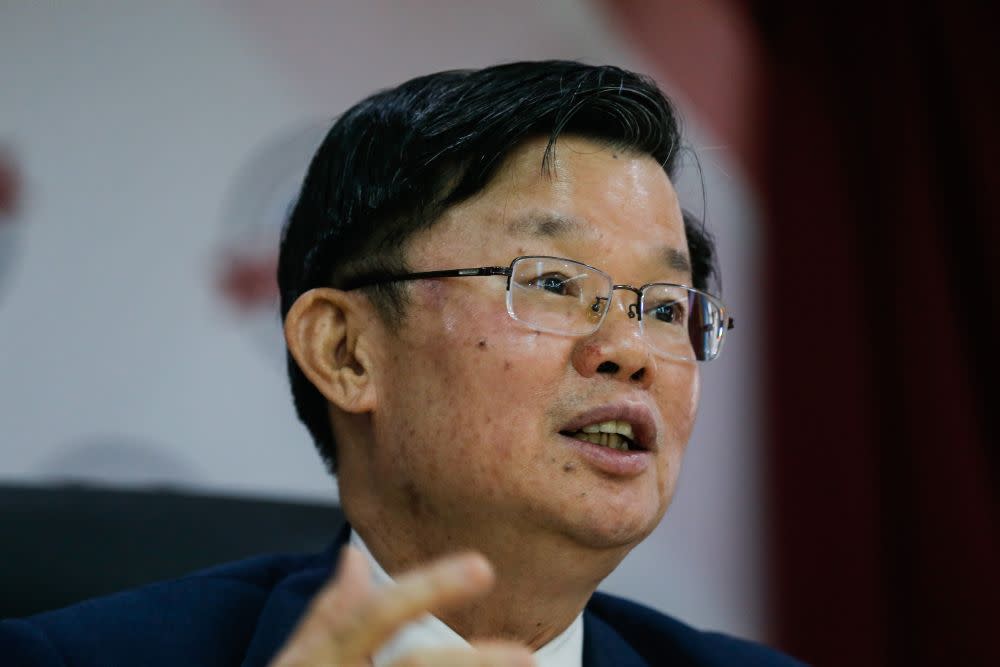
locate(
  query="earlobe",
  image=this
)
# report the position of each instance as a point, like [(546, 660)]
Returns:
[(323, 330)]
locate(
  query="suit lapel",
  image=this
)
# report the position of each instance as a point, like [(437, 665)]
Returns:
[(288, 601), (603, 647)]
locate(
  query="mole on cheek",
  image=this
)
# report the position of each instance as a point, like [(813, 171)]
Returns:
[(418, 508), (507, 365), (481, 344), (569, 467)]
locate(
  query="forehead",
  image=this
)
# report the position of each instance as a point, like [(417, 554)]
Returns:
[(590, 198)]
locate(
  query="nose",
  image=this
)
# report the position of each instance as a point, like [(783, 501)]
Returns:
[(617, 349)]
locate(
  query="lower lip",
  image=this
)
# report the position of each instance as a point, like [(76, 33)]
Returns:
[(611, 461)]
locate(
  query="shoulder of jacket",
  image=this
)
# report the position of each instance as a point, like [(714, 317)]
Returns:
[(653, 633)]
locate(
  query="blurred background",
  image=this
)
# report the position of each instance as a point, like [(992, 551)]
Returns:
[(839, 498)]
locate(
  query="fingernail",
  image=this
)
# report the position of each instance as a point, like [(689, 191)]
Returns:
[(466, 567)]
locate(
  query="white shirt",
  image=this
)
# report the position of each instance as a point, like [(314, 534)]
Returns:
[(565, 650)]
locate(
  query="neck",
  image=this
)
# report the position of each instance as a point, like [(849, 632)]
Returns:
[(544, 576), (540, 588)]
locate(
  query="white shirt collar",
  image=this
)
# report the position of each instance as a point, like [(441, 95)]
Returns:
[(564, 650)]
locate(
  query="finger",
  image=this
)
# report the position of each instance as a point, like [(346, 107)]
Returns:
[(487, 654), (441, 585), (353, 580), (344, 592), (336, 601)]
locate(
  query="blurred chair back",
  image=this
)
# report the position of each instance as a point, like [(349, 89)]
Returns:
[(63, 544)]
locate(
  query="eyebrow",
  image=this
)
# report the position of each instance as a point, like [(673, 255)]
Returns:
[(545, 224), (677, 260)]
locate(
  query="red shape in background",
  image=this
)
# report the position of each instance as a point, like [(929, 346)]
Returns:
[(10, 188), (250, 282)]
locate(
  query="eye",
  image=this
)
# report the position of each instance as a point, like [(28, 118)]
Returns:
[(668, 312), (556, 283)]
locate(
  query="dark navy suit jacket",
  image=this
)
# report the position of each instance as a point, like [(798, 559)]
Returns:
[(241, 614)]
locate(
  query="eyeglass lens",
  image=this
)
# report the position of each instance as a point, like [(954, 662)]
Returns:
[(567, 297)]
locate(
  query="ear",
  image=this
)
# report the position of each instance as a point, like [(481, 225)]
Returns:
[(327, 333)]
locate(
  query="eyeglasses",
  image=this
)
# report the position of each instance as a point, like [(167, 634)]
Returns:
[(566, 297)]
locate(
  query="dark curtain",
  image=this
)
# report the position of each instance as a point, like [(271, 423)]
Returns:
[(882, 191), (876, 164)]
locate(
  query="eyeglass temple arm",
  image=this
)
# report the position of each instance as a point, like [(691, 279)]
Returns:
[(458, 273), (370, 281)]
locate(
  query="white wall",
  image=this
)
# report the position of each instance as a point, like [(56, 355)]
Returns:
[(157, 139)]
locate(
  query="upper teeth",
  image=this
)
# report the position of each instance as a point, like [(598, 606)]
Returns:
[(614, 434), (621, 428)]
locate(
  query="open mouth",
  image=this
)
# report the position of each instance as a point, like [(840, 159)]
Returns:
[(611, 434)]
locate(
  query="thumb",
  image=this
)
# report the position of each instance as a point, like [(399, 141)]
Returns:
[(353, 578), (342, 595)]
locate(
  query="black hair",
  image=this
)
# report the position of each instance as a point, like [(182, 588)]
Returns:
[(395, 161)]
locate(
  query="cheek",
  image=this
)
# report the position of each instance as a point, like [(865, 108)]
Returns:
[(677, 396), (467, 381), (683, 390)]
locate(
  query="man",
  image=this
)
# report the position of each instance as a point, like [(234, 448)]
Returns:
[(495, 310)]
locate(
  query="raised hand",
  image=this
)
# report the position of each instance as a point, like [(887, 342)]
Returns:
[(348, 621)]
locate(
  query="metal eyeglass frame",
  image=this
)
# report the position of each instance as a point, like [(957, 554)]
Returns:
[(634, 309)]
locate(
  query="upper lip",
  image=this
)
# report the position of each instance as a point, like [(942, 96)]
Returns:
[(638, 415)]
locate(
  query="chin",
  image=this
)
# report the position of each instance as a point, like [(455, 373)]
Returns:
[(614, 527)]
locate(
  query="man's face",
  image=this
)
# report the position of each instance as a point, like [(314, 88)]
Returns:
[(473, 407)]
